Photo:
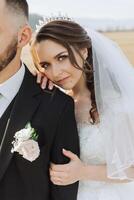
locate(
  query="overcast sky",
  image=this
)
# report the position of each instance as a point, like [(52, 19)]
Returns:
[(85, 8)]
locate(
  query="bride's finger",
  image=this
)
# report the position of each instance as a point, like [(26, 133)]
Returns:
[(34, 72), (56, 181), (44, 82), (39, 77), (50, 85)]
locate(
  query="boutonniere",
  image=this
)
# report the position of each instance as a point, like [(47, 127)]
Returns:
[(25, 143)]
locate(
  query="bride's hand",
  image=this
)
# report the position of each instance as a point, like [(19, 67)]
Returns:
[(41, 78), (66, 174)]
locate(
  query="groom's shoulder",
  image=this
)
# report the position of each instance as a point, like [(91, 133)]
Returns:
[(55, 100), (57, 96)]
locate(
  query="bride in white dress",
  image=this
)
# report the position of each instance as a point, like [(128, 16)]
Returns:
[(101, 81)]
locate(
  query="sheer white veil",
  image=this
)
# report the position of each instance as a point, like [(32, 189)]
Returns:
[(114, 92)]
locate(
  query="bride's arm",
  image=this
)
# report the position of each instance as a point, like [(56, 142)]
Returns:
[(76, 170), (99, 173)]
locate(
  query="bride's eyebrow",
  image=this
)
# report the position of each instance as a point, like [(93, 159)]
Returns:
[(59, 54), (44, 62)]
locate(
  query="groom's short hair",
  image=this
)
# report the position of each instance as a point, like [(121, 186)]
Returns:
[(18, 7)]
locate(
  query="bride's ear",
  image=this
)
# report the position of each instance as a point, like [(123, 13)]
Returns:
[(84, 53)]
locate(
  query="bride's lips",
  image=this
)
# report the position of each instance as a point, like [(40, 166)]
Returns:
[(61, 81)]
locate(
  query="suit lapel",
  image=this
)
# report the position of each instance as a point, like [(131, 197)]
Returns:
[(27, 101)]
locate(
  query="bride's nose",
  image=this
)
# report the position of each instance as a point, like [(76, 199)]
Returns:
[(56, 71)]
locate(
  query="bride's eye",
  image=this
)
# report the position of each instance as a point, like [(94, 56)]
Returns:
[(62, 57), (45, 65)]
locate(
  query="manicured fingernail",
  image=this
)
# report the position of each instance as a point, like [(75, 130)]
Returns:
[(43, 87), (64, 149), (38, 80)]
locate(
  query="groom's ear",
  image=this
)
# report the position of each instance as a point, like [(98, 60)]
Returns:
[(24, 36)]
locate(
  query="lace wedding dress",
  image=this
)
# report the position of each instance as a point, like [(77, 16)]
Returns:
[(92, 152)]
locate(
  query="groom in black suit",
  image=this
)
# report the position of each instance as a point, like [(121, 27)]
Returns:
[(51, 114)]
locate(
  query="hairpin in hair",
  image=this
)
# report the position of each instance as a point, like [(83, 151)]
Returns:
[(47, 20)]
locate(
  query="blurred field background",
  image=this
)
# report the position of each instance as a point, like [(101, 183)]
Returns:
[(115, 19), (125, 40)]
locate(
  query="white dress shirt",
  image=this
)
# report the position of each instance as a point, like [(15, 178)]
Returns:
[(10, 88)]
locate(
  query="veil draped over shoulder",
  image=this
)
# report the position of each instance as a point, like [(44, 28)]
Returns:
[(114, 91)]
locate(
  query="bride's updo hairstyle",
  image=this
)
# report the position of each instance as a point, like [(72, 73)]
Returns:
[(70, 34)]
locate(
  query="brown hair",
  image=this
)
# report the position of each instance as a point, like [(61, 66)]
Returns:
[(70, 34)]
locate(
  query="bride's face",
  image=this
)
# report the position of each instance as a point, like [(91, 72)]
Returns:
[(55, 63)]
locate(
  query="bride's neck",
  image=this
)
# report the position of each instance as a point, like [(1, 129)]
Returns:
[(80, 90)]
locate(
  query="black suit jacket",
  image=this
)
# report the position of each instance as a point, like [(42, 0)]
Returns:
[(52, 115)]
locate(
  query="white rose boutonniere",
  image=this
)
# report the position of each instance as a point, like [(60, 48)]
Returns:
[(25, 143)]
